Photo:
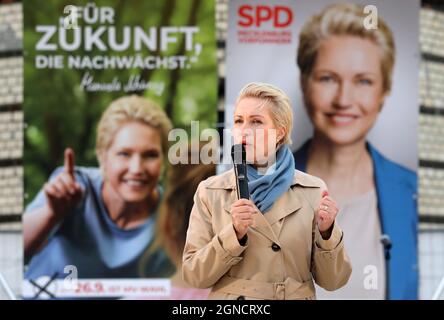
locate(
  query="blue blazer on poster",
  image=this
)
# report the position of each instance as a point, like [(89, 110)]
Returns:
[(396, 189)]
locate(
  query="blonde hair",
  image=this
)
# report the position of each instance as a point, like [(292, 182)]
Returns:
[(278, 104), (174, 212), (128, 109), (339, 20)]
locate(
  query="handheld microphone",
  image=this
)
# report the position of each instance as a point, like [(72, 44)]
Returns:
[(387, 243), (240, 170)]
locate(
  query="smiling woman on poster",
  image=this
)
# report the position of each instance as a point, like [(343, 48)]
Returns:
[(346, 75), (101, 220)]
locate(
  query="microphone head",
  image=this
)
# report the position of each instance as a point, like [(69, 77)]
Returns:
[(238, 154), (385, 240)]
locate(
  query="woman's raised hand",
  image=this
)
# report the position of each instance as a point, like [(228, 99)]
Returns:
[(63, 192), (326, 215)]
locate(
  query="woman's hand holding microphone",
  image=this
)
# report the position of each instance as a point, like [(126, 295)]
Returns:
[(242, 212)]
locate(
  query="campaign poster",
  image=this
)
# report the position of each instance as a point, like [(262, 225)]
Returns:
[(262, 46), (350, 70), (79, 56)]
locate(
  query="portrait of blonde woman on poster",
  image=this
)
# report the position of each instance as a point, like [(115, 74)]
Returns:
[(283, 239), (174, 215), (345, 76), (101, 220)]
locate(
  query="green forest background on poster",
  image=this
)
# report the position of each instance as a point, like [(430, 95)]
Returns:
[(60, 113)]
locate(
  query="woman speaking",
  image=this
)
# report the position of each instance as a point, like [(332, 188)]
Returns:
[(284, 238)]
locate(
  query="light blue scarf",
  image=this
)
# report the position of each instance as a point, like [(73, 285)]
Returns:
[(266, 189)]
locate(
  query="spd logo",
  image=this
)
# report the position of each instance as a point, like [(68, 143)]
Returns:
[(279, 16)]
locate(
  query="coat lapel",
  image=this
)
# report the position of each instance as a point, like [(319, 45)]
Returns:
[(261, 224), (398, 211), (287, 204)]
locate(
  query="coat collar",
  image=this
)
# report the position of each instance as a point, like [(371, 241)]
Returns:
[(227, 181), (287, 204)]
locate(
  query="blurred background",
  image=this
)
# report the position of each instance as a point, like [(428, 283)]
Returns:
[(12, 129)]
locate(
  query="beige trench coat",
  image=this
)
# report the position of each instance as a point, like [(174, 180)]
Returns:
[(284, 252)]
